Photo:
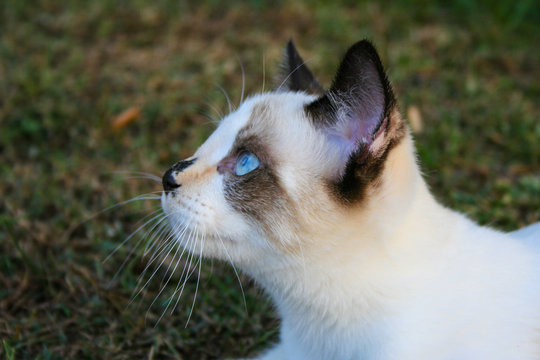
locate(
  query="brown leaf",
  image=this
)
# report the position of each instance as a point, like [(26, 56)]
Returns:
[(125, 118)]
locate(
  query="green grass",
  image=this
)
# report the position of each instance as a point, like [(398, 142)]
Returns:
[(68, 68)]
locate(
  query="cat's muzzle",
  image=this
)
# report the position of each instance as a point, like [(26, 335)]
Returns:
[(169, 178)]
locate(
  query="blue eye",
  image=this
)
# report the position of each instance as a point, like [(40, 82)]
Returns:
[(246, 163)]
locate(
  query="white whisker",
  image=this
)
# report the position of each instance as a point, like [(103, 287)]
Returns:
[(70, 230), (133, 233), (264, 73), (174, 269), (158, 236), (140, 177), (187, 274), (198, 280), (184, 271), (139, 173), (219, 114), (226, 97), (137, 244), (288, 76), (243, 79), (163, 244), (235, 271), (166, 249)]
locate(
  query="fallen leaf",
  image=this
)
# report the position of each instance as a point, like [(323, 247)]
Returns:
[(125, 118)]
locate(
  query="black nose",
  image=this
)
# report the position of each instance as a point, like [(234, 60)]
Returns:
[(169, 178), (169, 182)]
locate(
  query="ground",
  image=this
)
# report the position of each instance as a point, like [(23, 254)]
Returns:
[(89, 89)]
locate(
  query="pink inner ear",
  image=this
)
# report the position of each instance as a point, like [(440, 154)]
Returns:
[(356, 103), (361, 130), (357, 124)]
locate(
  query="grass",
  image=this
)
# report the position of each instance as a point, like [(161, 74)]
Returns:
[(68, 69)]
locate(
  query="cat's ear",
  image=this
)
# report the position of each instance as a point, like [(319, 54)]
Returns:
[(358, 116), (356, 110), (295, 75)]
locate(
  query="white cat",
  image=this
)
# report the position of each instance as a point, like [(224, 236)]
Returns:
[(318, 196)]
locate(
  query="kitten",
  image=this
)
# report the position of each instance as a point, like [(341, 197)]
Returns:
[(318, 196)]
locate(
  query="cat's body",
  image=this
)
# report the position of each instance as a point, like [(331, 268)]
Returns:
[(319, 198)]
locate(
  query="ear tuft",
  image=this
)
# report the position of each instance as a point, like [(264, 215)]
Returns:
[(295, 75)]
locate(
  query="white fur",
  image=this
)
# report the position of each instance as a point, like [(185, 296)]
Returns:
[(397, 277)]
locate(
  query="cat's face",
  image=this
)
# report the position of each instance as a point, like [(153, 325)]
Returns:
[(287, 165)]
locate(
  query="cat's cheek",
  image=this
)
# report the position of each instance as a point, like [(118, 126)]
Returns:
[(200, 211)]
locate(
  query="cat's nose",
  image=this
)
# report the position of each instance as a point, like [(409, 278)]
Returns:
[(169, 178)]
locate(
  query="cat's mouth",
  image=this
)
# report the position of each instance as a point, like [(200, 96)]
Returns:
[(187, 215)]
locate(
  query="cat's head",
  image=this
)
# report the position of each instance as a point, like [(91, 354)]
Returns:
[(289, 167)]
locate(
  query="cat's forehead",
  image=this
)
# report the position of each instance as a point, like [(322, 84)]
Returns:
[(270, 117)]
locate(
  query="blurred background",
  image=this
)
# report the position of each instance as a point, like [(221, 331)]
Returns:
[(91, 90)]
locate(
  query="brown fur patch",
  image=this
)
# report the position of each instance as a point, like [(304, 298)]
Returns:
[(259, 195)]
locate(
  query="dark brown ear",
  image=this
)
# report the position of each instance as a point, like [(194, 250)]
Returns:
[(295, 75), (356, 114), (360, 92)]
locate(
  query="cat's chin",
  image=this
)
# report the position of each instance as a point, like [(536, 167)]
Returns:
[(195, 238)]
